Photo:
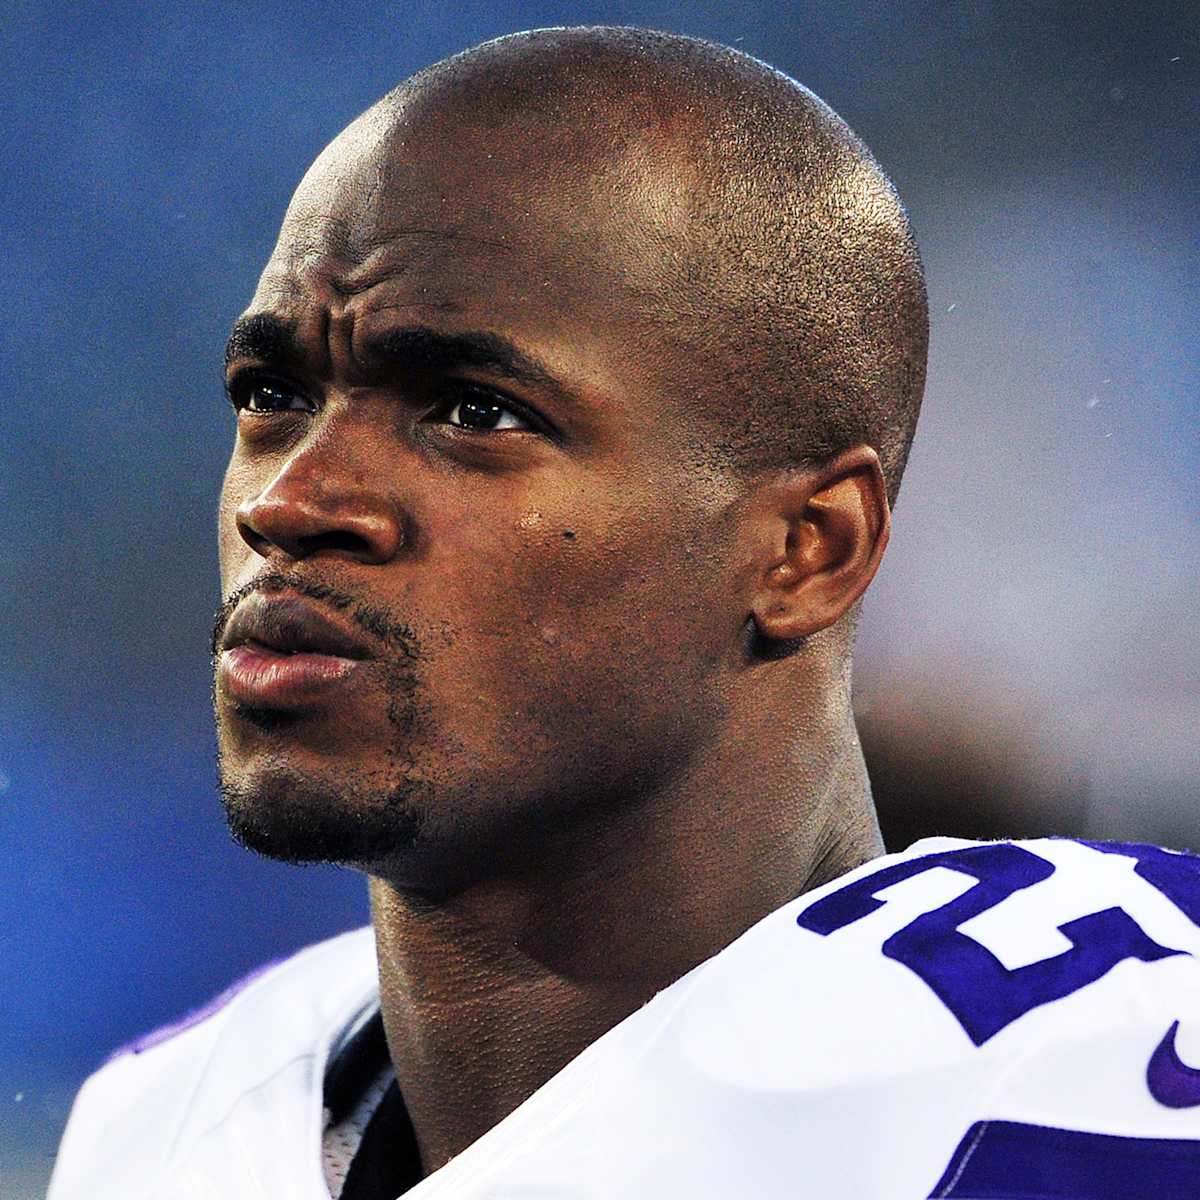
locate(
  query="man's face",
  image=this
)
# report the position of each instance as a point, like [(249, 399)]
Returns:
[(462, 435)]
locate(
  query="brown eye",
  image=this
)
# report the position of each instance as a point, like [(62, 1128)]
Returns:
[(267, 396), (481, 411), (483, 414)]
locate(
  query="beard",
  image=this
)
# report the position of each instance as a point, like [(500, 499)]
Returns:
[(347, 815), (430, 837), (296, 820)]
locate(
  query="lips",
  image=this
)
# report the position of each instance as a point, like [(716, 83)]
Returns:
[(290, 625), (284, 652)]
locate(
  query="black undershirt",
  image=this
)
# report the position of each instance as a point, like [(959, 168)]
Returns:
[(388, 1161)]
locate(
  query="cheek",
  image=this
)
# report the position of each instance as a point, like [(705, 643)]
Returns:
[(231, 547), (573, 565), (580, 598), (594, 640)]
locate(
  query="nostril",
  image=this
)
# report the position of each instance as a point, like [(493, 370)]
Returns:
[(352, 523), (342, 540), (258, 542)]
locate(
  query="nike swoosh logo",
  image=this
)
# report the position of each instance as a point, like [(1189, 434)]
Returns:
[(1170, 1080)]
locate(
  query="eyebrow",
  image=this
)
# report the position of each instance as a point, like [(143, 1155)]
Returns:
[(416, 347), (263, 336)]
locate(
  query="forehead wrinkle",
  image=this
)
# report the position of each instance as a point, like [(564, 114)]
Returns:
[(390, 247), (309, 236), (330, 237), (344, 255), (386, 237)]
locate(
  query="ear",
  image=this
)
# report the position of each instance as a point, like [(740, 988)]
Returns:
[(820, 534)]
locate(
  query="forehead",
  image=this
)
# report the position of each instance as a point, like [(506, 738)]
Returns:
[(453, 214)]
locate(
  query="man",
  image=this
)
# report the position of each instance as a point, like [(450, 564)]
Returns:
[(571, 406)]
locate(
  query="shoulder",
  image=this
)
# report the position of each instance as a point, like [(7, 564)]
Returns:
[(985, 1015), (961, 1019), (996, 929), (1050, 986), (988, 932), (166, 1089)]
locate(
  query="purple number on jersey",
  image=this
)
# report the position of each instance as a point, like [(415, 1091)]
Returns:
[(1174, 874), (1036, 1162), (974, 985)]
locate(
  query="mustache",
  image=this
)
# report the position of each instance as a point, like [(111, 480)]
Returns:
[(398, 636)]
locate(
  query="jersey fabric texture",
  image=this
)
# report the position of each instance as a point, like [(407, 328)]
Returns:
[(965, 1020)]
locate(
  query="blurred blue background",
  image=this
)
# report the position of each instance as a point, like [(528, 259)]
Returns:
[(1029, 655)]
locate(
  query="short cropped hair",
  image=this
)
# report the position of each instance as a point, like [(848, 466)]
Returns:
[(797, 296)]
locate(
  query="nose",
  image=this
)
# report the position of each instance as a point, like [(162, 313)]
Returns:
[(315, 506)]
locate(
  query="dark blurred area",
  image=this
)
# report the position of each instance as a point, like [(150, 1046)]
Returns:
[(1028, 657), (939, 765)]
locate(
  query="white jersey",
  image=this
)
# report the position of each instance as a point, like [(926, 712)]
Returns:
[(963, 1020)]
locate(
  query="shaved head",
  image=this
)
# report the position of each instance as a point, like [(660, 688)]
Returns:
[(779, 276), (586, 355), (570, 404)]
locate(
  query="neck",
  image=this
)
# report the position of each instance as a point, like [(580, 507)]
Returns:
[(489, 993)]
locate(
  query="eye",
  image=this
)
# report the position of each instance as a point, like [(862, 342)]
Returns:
[(266, 396), (479, 410)]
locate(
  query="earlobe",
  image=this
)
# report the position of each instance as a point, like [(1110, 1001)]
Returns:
[(829, 527)]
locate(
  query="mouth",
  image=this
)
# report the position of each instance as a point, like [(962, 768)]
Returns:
[(283, 652)]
